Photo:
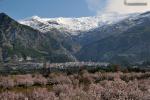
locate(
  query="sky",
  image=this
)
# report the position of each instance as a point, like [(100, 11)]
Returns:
[(20, 9)]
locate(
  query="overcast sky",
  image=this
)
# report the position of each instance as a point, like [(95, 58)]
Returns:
[(20, 9)]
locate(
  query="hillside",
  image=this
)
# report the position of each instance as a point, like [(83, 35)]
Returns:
[(19, 41), (129, 42)]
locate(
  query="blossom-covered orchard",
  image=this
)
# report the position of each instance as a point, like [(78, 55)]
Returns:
[(79, 86)]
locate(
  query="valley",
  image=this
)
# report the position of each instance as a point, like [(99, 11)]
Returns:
[(74, 50)]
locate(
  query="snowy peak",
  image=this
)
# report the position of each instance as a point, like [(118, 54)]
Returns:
[(72, 25)]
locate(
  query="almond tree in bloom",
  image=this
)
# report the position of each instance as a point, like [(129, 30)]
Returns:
[(42, 94), (24, 80), (12, 96), (40, 80), (6, 82)]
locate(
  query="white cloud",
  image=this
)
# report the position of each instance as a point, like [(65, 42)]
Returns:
[(120, 7), (94, 5), (117, 6)]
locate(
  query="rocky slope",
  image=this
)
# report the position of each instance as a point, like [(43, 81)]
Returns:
[(20, 41), (128, 42)]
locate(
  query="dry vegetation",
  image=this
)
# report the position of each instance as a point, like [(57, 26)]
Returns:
[(81, 86)]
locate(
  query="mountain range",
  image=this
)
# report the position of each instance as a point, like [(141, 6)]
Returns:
[(123, 39), (74, 26)]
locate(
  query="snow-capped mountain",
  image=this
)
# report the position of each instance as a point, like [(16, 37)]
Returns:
[(125, 42), (115, 38), (72, 25)]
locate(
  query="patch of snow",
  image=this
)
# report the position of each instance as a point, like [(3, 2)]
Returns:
[(72, 25)]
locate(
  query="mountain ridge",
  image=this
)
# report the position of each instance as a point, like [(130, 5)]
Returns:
[(19, 41), (127, 44), (72, 25)]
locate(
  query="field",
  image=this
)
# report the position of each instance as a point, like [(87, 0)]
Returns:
[(83, 85)]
